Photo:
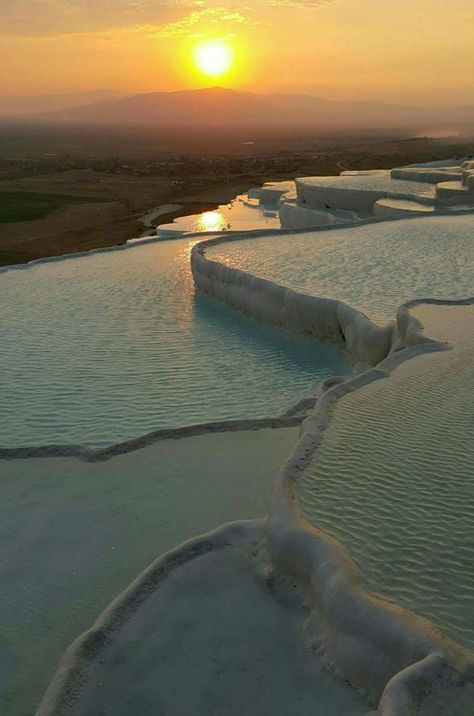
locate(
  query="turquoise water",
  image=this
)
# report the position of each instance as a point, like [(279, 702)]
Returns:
[(374, 268), (104, 348)]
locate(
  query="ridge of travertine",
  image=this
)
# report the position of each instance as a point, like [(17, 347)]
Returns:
[(385, 650), (323, 318), (399, 658), (314, 201)]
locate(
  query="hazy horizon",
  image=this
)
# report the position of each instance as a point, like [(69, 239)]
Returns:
[(114, 93), (215, 107)]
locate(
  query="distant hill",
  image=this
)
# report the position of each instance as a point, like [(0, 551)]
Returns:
[(34, 104), (217, 107)]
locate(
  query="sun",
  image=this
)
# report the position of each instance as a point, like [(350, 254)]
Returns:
[(214, 58)]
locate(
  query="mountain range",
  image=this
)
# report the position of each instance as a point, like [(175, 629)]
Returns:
[(218, 107), (34, 104)]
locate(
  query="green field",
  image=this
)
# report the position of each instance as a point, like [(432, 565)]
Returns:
[(29, 206)]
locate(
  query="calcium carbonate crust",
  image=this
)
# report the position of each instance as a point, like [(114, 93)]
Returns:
[(63, 690), (393, 655), (323, 318), (326, 319), (388, 652), (291, 418)]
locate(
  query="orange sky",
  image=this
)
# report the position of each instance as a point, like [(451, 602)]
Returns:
[(418, 51)]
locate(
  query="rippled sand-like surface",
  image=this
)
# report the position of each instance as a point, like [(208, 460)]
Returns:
[(374, 268), (393, 479), (103, 348), (74, 534)]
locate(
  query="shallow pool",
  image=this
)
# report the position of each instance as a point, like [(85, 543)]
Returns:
[(374, 267), (74, 534), (106, 347), (241, 214)]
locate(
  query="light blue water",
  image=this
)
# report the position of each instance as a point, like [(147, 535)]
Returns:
[(374, 268), (103, 348)]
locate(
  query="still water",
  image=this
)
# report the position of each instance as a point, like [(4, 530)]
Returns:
[(107, 347)]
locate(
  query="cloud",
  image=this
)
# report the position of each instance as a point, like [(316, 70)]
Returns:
[(32, 18), (46, 18), (303, 4), (208, 16)]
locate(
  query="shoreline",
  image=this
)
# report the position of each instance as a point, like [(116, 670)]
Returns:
[(195, 184), (120, 230), (186, 208), (211, 199)]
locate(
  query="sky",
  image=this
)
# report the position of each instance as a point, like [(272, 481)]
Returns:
[(409, 51)]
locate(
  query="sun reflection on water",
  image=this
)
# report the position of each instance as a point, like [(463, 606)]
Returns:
[(211, 221)]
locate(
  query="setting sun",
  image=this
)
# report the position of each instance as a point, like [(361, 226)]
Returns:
[(214, 57)]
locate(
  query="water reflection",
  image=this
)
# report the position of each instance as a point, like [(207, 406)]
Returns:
[(241, 214), (211, 221)]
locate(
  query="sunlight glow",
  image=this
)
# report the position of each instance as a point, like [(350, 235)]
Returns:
[(214, 57), (211, 221)]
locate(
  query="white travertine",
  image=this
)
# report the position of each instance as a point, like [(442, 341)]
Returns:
[(295, 216), (358, 193)]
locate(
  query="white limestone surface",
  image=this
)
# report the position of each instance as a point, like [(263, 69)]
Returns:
[(373, 267), (74, 534), (214, 636), (358, 192), (451, 193), (297, 216), (270, 193), (321, 318), (400, 207), (440, 163), (428, 174), (364, 172)]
